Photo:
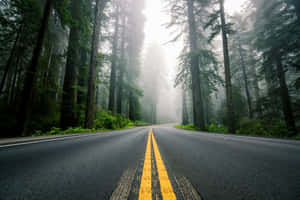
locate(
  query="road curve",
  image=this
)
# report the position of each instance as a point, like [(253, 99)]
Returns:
[(199, 166)]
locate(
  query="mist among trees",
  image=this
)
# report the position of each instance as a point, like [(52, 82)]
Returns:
[(82, 65)]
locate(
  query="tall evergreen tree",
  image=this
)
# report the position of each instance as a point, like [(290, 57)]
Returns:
[(69, 99), (25, 106)]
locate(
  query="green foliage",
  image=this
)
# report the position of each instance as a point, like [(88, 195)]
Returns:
[(188, 127), (140, 123), (251, 127), (216, 128), (104, 120), (248, 127), (278, 129), (58, 131), (263, 128)]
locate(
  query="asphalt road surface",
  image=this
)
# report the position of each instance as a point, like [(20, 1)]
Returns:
[(145, 163)]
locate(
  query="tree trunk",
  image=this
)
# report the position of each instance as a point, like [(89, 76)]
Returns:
[(185, 116), (23, 116), (82, 79), (285, 98), (131, 107), (90, 106), (256, 90), (112, 87), (153, 113), (249, 101), (121, 68), (10, 60), (69, 99), (13, 87), (230, 113), (196, 89)]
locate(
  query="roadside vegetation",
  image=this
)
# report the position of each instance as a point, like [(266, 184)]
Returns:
[(78, 63), (104, 121), (253, 88), (248, 127)]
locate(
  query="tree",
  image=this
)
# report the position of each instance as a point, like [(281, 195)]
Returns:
[(25, 106), (111, 104), (122, 64), (245, 80), (69, 100), (278, 51), (90, 107), (194, 64), (185, 116), (230, 113)]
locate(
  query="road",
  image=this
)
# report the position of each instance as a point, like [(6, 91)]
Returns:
[(146, 163)]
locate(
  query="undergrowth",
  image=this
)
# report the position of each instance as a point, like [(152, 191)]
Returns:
[(249, 127), (104, 121)]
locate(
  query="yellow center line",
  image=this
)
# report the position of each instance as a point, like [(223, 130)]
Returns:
[(145, 192), (165, 183)]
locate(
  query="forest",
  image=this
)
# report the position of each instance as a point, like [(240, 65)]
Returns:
[(240, 72), (81, 66)]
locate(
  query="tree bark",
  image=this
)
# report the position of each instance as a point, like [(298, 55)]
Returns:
[(249, 101), (285, 98), (112, 87), (69, 99), (90, 106), (13, 87), (121, 68), (230, 113), (185, 116), (195, 72), (10, 60), (23, 116), (131, 105), (82, 79), (256, 90)]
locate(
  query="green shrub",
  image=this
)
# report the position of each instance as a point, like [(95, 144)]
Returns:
[(104, 120), (122, 121), (251, 127), (188, 127), (263, 128), (140, 123), (58, 131), (278, 129), (75, 130), (216, 128)]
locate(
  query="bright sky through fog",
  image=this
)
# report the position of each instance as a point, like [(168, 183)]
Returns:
[(232, 6), (155, 32)]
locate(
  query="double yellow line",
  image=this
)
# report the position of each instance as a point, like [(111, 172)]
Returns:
[(166, 189)]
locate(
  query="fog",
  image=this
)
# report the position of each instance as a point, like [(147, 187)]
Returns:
[(169, 98), (219, 65)]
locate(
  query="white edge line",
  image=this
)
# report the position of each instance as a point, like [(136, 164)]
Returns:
[(41, 141), (48, 140)]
